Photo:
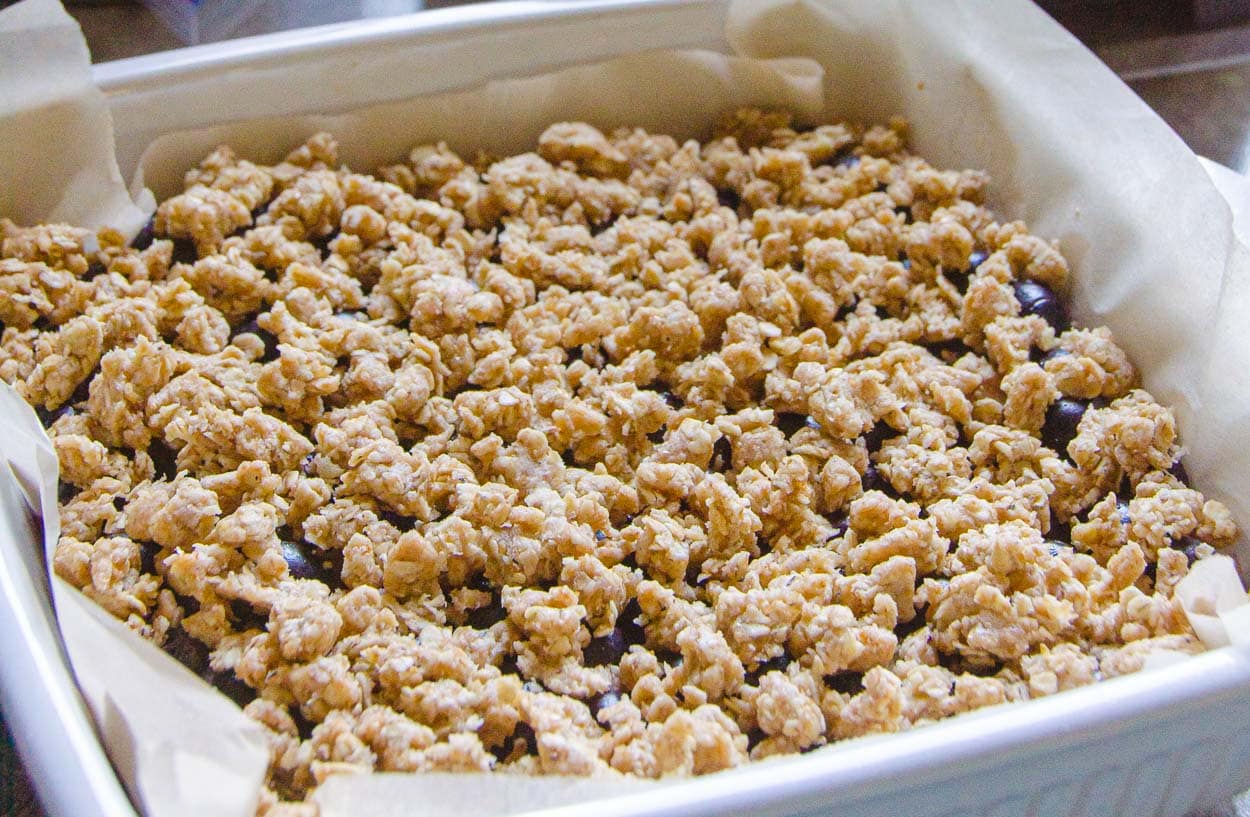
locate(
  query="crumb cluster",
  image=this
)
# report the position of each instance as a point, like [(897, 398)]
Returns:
[(622, 456)]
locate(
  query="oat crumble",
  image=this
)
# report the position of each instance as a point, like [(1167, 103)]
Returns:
[(622, 456)]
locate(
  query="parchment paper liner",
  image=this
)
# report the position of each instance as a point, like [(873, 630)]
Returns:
[(986, 84)]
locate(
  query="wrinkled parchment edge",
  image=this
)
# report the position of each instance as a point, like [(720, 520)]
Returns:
[(111, 707)]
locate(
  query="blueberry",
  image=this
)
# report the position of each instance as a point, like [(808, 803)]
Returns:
[(600, 536), (246, 617), (228, 684), (305, 561), (163, 459), (250, 326), (184, 252), (789, 422), (193, 655), (693, 570), (1060, 531), (674, 401), (948, 350), (298, 562), (402, 523), (65, 491), (1062, 419), (777, 663), (573, 355), (322, 243), (1054, 354), (847, 160), (83, 390), (877, 436), (959, 279), (94, 270), (303, 726), (722, 455), (846, 309), (309, 465), (1122, 509), (729, 198), (521, 732), (461, 389), (656, 436), (602, 702), (976, 259), (606, 650), (1039, 299), (1054, 546), (872, 479), (846, 682), (483, 618), (187, 650), (48, 417), (840, 524), (190, 604), (143, 239), (627, 623), (1178, 470), (148, 551), (669, 657), (906, 628), (1189, 546)]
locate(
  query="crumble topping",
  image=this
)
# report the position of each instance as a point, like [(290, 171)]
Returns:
[(622, 456)]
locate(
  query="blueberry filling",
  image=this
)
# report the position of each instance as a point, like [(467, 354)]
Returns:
[(521, 732), (606, 650), (251, 327), (484, 618), (877, 436), (789, 422), (840, 524), (1178, 470), (1062, 419), (146, 235), (777, 663), (603, 701), (1189, 546), (184, 252), (846, 682), (627, 623), (1039, 299), (722, 455), (164, 459)]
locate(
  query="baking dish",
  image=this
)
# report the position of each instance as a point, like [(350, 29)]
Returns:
[(1163, 742)]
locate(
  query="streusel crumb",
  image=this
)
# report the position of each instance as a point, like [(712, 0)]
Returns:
[(622, 456)]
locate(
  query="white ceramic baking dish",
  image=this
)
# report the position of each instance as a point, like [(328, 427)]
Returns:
[(1166, 742)]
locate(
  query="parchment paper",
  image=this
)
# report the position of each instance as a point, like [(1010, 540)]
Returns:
[(986, 84), (47, 96)]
